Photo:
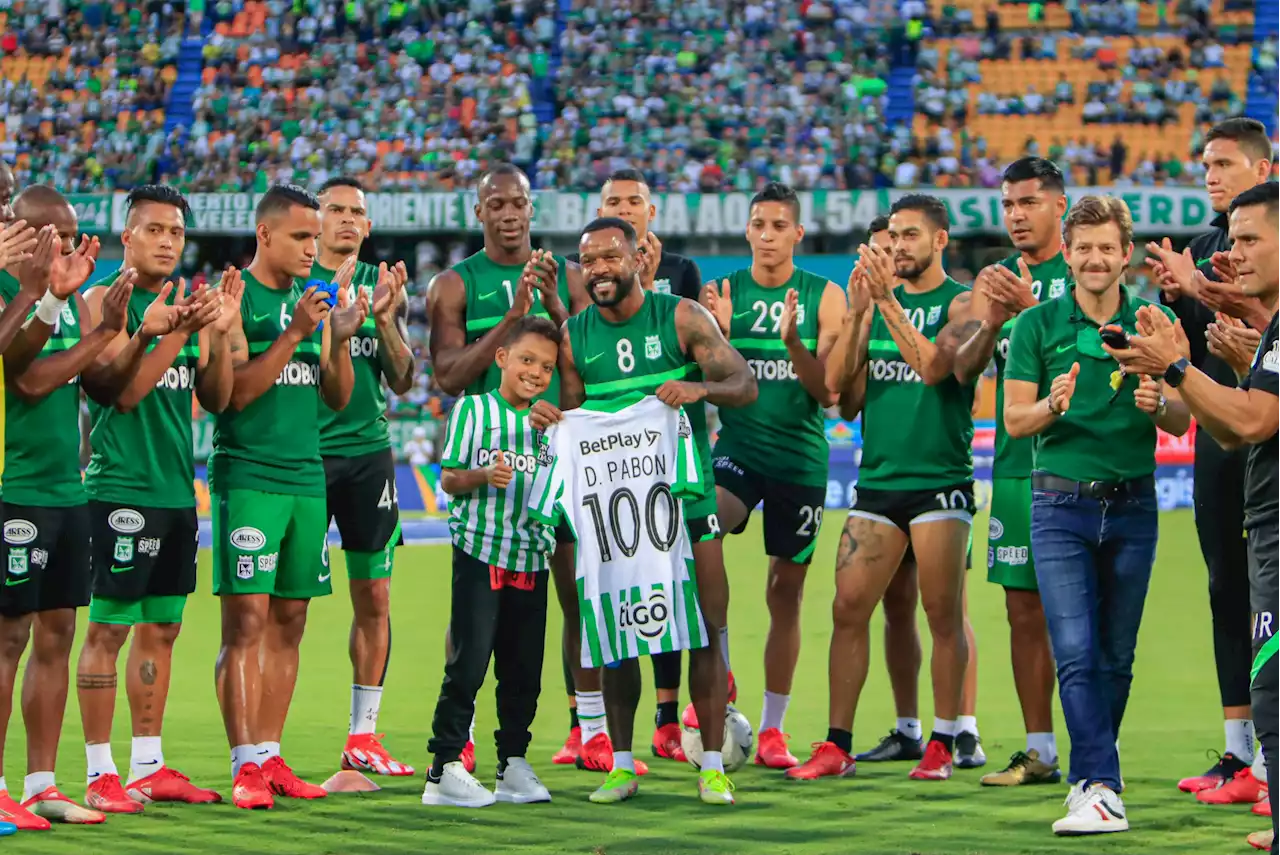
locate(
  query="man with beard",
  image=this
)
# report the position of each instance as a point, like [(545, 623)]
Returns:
[(1032, 194), (1094, 518), (632, 341), (1237, 156), (625, 195), (473, 308), (916, 479)]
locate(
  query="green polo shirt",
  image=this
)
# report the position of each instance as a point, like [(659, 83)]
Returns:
[(1097, 439)]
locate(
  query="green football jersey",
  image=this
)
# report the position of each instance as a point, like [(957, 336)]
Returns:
[(1013, 457), (145, 457), (636, 357), (783, 434), (42, 438), (273, 444), (914, 437), (360, 428), (490, 289)]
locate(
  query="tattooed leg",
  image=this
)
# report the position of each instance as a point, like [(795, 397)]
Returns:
[(869, 554), (96, 679), (150, 664)]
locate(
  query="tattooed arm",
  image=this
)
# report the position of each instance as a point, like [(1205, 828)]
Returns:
[(728, 381), (934, 361), (573, 392)]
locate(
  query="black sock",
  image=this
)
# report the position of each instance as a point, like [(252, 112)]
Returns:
[(502, 766), (573, 718), (667, 714), (948, 740), (436, 770), (843, 739)]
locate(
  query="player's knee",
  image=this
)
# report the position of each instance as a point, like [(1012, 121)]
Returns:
[(372, 603), (161, 635), (945, 616), (243, 629), (14, 633), (54, 635), (1026, 615), (106, 638), (851, 609), (785, 588)]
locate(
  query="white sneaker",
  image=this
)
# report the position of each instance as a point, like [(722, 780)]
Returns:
[(458, 788), (1096, 810), (519, 785)]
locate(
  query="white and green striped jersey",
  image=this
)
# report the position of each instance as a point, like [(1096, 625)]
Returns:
[(621, 476), (494, 525)]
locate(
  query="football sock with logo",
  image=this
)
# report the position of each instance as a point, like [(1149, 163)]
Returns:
[(267, 750), (242, 754), (365, 701), (99, 761), (145, 757), (911, 728), (774, 711), (668, 713), (842, 739), (591, 715), (1239, 732)]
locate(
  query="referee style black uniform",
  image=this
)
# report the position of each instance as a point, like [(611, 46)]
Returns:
[(1218, 493)]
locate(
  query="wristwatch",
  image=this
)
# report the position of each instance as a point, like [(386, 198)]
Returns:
[(1174, 373)]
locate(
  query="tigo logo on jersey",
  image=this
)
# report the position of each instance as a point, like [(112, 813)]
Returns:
[(126, 521), (995, 529), (124, 550), (244, 567), (19, 532), (248, 539), (648, 619), (652, 347)]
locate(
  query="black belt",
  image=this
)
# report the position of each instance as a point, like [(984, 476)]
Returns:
[(1095, 489)]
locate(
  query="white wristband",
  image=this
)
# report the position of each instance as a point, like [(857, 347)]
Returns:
[(48, 309)]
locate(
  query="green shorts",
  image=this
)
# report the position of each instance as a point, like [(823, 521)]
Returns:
[(148, 609), (270, 543), (701, 517), (1009, 535)]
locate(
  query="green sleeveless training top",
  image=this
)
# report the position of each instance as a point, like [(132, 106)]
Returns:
[(146, 457), (914, 437), (361, 428), (637, 356), (783, 434), (42, 438), (1013, 457), (490, 289), (273, 444)]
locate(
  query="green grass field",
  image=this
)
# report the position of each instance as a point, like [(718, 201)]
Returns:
[(1173, 718)]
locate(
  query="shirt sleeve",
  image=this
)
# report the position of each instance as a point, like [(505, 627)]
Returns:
[(690, 280), (687, 482), (459, 434), (1265, 376), (1025, 361), (548, 484)]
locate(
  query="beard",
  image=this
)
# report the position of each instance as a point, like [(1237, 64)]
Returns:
[(622, 288), (912, 269)]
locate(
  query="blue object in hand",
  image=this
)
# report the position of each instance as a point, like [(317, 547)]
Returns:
[(329, 289)]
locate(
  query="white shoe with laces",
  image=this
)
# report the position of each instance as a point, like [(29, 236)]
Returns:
[(518, 784), (1096, 809), (456, 788)]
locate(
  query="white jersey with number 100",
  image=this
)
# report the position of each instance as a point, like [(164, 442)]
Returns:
[(621, 476)]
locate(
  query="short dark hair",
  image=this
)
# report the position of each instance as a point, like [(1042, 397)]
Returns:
[(341, 181), (933, 208), (1249, 134), (776, 191), (1267, 193), (1098, 211), (1028, 168), (281, 197), (600, 224), (533, 325), (879, 224), (630, 173), (161, 194)]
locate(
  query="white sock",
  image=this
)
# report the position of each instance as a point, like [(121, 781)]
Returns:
[(4, 785), (36, 783), (591, 714), (99, 761), (775, 710), (145, 758), (910, 728), (471, 731), (712, 761), (1045, 745), (266, 750), (967, 724), (365, 701), (242, 754), (724, 647), (1259, 768), (1239, 733), (624, 760), (944, 727)]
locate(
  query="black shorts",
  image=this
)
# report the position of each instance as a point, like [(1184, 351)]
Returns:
[(143, 552), (901, 508), (46, 559), (362, 496), (792, 512)]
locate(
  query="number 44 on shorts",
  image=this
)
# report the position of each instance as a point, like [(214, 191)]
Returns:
[(390, 495)]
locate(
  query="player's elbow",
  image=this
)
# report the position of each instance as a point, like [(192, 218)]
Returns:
[(449, 381), (1258, 429), (403, 384)]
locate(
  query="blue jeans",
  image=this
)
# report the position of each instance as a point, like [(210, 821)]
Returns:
[(1093, 564)]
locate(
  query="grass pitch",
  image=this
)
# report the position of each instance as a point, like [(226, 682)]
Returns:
[(1173, 718)]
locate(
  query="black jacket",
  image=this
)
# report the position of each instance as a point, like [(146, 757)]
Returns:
[(1196, 316)]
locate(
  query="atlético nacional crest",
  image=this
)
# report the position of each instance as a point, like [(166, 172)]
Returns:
[(124, 550)]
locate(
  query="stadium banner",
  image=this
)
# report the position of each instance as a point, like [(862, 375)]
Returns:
[(1156, 211), (95, 213)]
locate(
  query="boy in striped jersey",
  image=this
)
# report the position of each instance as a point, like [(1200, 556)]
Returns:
[(501, 552)]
